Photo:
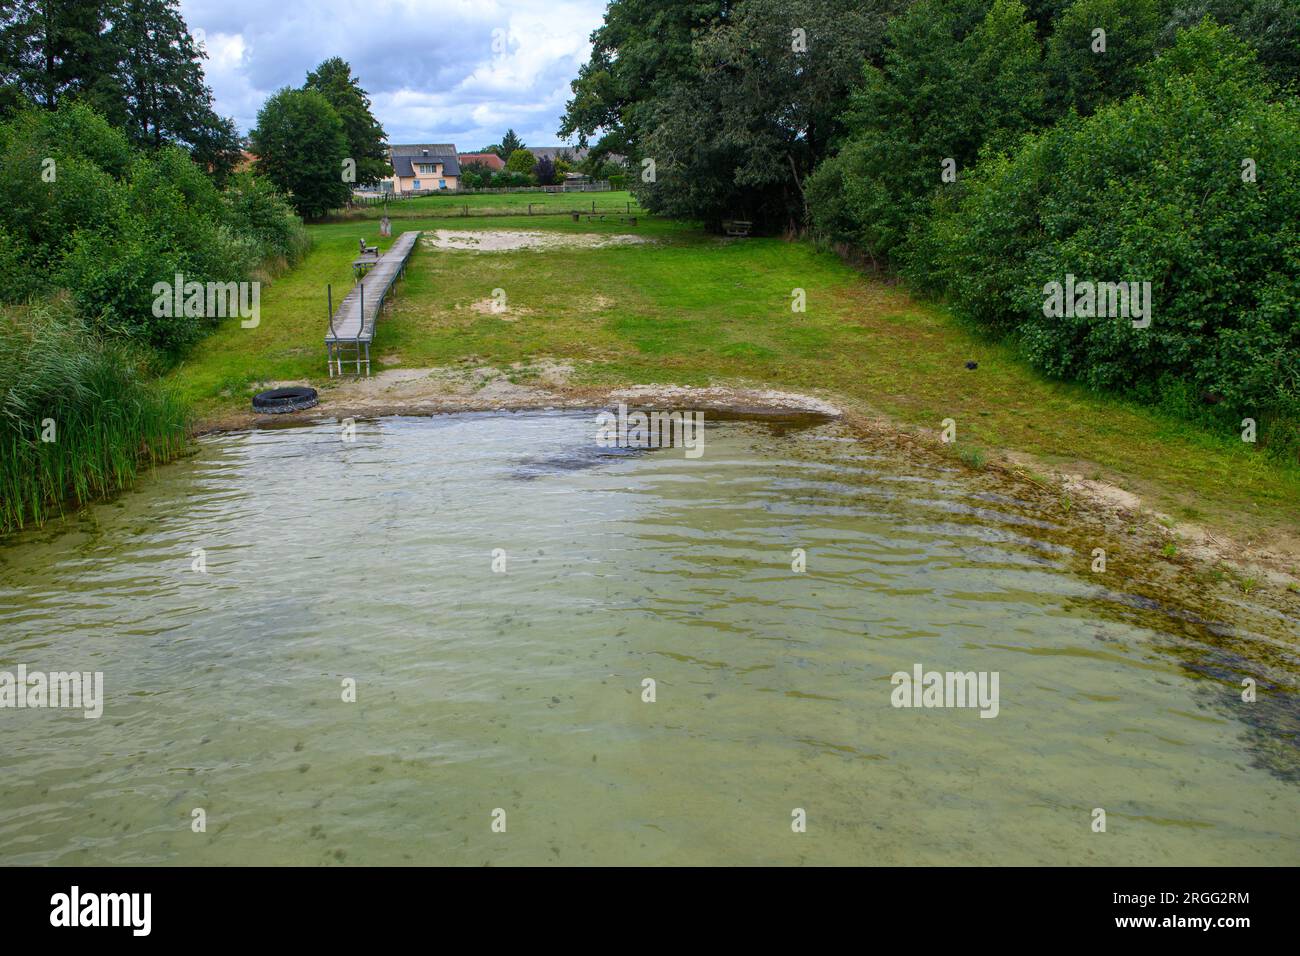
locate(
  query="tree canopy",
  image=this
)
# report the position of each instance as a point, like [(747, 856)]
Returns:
[(134, 61), (366, 140), (301, 146)]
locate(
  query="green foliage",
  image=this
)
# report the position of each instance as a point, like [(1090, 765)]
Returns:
[(958, 76), (1272, 27), (365, 137), (1149, 189), (735, 103), (106, 222), (133, 61), (94, 398), (521, 161), (509, 143), (300, 144), (642, 51), (264, 214), (1079, 75)]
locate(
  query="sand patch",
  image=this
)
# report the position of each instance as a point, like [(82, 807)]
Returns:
[(507, 240), (510, 313)]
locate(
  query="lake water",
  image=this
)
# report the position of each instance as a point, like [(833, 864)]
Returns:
[(521, 690)]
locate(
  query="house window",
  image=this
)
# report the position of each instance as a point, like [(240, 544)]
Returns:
[(415, 184), (442, 184)]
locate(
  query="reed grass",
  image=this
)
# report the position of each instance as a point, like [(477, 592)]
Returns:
[(110, 416)]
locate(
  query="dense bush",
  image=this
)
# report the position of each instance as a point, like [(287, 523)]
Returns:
[(82, 210), (265, 215), (958, 75), (1153, 188), (1081, 77)]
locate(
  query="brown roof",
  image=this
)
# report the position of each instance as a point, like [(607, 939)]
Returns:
[(490, 160)]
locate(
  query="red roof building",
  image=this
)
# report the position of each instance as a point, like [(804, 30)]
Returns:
[(491, 160)]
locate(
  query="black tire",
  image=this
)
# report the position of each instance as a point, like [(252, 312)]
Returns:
[(280, 400)]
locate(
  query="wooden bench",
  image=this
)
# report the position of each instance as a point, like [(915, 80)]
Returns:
[(737, 228), (367, 250)]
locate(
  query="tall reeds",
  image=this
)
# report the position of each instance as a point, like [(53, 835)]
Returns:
[(79, 416)]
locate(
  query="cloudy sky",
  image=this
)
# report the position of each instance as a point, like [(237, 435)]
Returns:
[(437, 71)]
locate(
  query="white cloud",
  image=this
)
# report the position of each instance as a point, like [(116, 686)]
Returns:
[(429, 66)]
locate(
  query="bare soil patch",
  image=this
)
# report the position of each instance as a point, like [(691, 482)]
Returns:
[(508, 240)]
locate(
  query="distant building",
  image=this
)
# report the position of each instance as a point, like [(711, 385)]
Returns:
[(491, 160), (422, 167), (553, 153)]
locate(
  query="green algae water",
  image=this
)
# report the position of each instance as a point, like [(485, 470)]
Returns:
[(500, 590)]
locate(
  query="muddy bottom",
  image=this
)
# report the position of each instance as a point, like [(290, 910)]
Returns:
[(628, 655)]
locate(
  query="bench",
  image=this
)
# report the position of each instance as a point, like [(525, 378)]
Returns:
[(367, 250), (737, 228)]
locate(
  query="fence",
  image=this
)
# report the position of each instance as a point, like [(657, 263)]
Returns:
[(592, 209), (378, 199)]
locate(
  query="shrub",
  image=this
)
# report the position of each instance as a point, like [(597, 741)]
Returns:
[(107, 233), (255, 206), (1151, 188)]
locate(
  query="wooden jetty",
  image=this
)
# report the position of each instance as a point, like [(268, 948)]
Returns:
[(352, 325)]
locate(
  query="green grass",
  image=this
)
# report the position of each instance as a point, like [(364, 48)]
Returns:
[(692, 309), (80, 417), (452, 205)]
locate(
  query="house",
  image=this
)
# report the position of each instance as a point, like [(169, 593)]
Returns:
[(491, 160), (422, 167)]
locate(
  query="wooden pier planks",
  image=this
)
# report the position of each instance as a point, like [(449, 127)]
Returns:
[(353, 322)]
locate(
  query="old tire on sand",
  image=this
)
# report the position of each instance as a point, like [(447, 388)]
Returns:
[(280, 400)]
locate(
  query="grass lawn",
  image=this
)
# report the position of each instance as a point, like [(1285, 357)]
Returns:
[(691, 309), (496, 204)]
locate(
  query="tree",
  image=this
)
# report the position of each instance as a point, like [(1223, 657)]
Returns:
[(1081, 76), (56, 49), (366, 138), (300, 144), (959, 75), (640, 51), (1151, 188), (509, 143), (521, 161), (167, 100), (723, 108), (545, 171), (133, 61)]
